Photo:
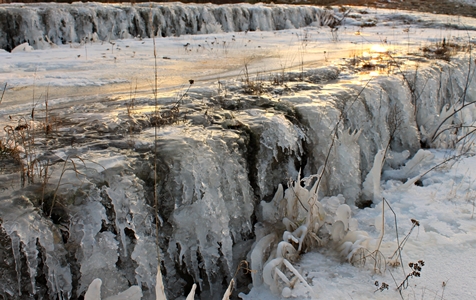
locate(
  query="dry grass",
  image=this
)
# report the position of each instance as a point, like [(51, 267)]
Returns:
[(443, 50)]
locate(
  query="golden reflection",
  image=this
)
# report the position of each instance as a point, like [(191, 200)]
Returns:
[(378, 49)]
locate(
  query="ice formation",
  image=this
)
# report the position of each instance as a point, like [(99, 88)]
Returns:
[(280, 150), (214, 180), (40, 25), (94, 292), (308, 224), (217, 174), (205, 183)]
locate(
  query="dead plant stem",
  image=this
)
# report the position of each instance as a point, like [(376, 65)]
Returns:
[(3, 93), (156, 134)]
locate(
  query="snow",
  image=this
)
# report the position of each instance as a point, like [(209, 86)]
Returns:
[(444, 241), (234, 151)]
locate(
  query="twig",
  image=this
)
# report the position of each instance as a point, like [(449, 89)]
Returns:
[(396, 232), (156, 82), (61, 177), (3, 93), (462, 97), (455, 157)]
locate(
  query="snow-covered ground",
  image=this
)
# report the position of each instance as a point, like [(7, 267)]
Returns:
[(89, 87), (445, 209)]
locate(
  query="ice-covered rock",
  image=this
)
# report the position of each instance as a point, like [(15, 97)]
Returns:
[(208, 201)]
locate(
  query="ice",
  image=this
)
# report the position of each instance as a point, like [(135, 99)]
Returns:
[(215, 187), (228, 152), (159, 286), (280, 148), (412, 167), (258, 257), (229, 290), (94, 290), (83, 23), (371, 185), (25, 225), (191, 295), (25, 47), (100, 261), (132, 293), (132, 213)]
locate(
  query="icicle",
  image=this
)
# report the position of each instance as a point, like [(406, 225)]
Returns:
[(94, 290), (270, 211), (191, 295), (228, 291), (371, 186), (16, 256), (159, 286)]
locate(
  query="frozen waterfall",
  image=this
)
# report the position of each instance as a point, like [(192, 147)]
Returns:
[(41, 24)]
